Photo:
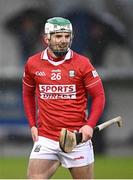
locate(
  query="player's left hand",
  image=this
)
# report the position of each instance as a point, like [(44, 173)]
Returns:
[(34, 133), (87, 132)]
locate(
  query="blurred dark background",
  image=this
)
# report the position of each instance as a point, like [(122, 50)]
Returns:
[(102, 31)]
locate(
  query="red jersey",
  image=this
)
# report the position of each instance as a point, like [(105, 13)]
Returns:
[(61, 91)]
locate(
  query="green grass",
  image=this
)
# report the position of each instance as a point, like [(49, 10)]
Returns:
[(105, 168), (114, 168)]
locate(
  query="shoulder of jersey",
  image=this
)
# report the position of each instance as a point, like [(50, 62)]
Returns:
[(35, 57), (81, 58)]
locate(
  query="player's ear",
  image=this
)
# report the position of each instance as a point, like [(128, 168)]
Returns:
[(45, 40)]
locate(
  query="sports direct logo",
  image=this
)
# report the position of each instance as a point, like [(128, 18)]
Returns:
[(57, 91)]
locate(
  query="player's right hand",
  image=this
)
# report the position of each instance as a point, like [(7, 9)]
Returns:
[(34, 133), (87, 132)]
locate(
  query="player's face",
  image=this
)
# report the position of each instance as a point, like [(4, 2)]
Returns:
[(60, 42)]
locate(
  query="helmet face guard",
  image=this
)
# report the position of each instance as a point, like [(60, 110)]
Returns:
[(58, 25)]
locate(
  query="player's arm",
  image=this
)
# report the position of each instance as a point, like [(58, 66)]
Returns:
[(97, 106), (98, 102), (30, 109), (95, 89), (29, 101)]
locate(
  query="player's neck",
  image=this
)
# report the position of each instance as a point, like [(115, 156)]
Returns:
[(52, 57)]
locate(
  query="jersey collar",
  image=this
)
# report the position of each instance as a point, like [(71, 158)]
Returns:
[(68, 56)]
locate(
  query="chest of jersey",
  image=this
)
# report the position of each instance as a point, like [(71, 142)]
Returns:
[(62, 81), (65, 73)]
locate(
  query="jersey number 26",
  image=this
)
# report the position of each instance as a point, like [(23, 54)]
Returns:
[(56, 76)]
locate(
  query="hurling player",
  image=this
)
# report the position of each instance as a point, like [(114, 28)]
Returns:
[(57, 84)]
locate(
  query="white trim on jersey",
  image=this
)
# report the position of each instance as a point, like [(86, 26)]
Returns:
[(28, 84), (68, 56), (56, 63), (93, 83)]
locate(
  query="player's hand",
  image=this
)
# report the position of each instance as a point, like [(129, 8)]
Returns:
[(87, 132), (34, 133)]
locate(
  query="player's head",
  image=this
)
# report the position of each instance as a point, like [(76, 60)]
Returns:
[(59, 35)]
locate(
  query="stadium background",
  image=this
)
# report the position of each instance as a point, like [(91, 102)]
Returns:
[(103, 31)]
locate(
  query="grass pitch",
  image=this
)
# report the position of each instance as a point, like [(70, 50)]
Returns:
[(105, 168)]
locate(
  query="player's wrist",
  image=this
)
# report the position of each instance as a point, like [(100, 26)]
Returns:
[(33, 127), (91, 124)]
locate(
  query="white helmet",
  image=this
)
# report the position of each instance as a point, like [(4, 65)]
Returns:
[(58, 24)]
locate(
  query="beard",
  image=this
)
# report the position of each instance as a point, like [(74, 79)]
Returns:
[(59, 50), (60, 53)]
